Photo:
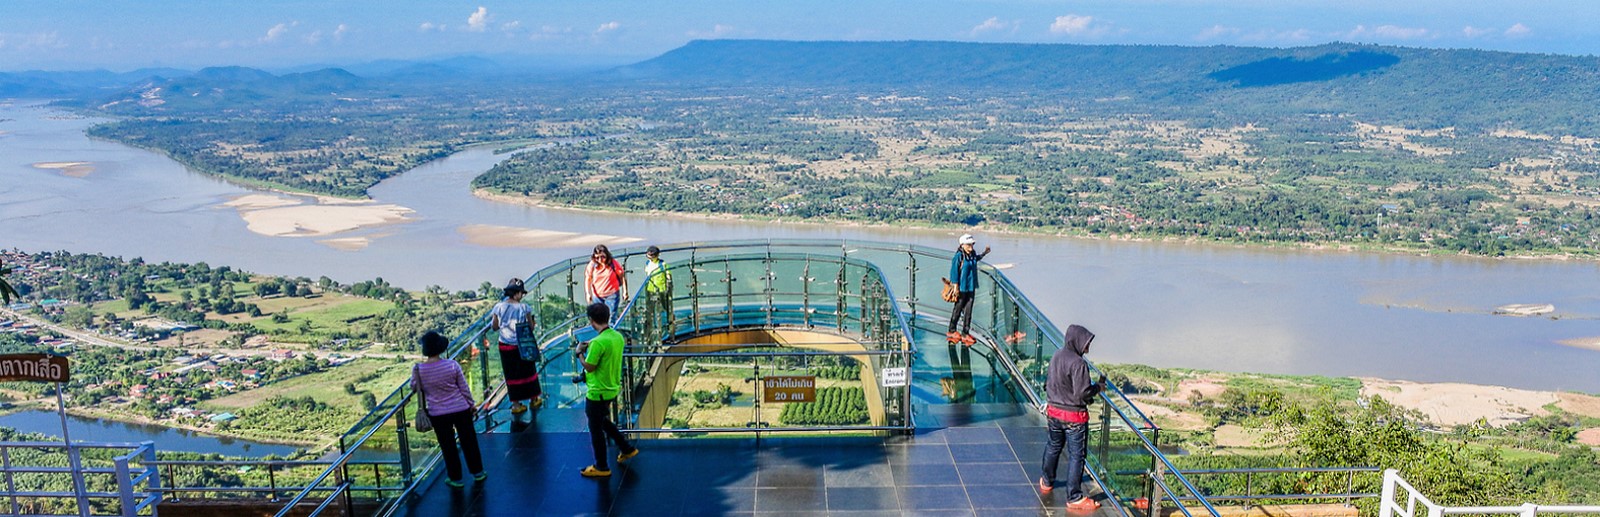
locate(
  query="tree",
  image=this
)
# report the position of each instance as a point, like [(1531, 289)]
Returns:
[(1385, 435), (7, 292)]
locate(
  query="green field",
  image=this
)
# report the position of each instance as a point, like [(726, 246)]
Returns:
[(327, 387), (326, 317)]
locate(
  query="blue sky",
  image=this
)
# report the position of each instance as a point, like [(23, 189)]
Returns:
[(127, 34)]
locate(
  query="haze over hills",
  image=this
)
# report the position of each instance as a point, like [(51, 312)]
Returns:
[(1431, 87), (1466, 89)]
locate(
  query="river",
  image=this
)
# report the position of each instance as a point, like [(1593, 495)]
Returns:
[(167, 439), (1285, 311)]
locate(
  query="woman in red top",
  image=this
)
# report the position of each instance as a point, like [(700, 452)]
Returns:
[(604, 280)]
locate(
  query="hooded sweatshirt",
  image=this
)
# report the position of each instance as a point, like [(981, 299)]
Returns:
[(1068, 384)]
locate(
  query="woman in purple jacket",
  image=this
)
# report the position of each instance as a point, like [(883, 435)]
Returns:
[(443, 386)]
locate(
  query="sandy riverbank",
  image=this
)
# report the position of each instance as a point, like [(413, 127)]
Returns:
[(516, 237), (283, 216), (1591, 343), (1453, 404), (68, 169), (956, 230)]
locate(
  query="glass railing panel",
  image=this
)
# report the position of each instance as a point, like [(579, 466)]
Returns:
[(790, 294), (823, 292), (837, 396), (1119, 460)]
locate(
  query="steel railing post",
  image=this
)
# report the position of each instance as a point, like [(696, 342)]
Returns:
[(272, 482), (805, 294), (11, 485), (911, 269), (403, 440), (1350, 488), (767, 282), (344, 482), (1157, 471)]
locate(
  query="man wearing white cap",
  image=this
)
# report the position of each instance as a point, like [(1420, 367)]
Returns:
[(964, 274)]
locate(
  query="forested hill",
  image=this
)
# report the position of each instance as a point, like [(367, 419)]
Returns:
[(1427, 87)]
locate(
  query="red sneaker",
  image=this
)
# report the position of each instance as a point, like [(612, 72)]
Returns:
[(1044, 487), (968, 340), (952, 337), (1083, 503)]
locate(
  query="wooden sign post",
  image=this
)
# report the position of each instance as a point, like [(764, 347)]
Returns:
[(56, 369)]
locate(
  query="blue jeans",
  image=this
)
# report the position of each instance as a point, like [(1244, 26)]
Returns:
[(611, 301), (1075, 437)]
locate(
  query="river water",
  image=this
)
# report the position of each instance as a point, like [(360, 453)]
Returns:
[(167, 438), (1164, 304)]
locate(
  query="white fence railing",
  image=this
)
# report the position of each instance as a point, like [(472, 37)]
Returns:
[(28, 472), (1414, 504)]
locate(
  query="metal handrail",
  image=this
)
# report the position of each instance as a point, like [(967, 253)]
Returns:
[(1157, 454), (880, 281), (402, 395), (1165, 489), (338, 463)]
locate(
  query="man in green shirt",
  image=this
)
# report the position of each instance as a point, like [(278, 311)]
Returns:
[(602, 364)]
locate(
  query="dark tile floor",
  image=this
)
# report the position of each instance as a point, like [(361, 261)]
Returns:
[(981, 461)]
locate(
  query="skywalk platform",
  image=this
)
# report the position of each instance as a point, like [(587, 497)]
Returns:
[(984, 463)]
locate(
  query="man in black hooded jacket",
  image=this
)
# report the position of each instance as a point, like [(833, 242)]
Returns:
[(1070, 393)]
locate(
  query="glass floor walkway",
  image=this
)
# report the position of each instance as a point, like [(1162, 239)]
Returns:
[(976, 451)]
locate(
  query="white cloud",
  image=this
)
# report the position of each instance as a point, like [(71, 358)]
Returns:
[(1217, 31), (277, 31), (992, 25), (1473, 32), (1072, 25), (717, 31), (1392, 32), (1517, 31), (607, 27), (479, 20), (36, 40), (314, 38), (338, 34), (430, 26), (511, 26), (550, 32)]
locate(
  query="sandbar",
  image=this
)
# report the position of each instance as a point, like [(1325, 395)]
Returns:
[(260, 201), (1591, 343), (69, 169), (515, 237), (1453, 404), (281, 216), (1590, 437), (347, 243)]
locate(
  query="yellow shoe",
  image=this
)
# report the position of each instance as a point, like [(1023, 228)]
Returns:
[(538, 403), (592, 472), (519, 408), (627, 455)]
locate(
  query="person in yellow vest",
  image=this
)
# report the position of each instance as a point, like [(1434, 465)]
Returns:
[(658, 294)]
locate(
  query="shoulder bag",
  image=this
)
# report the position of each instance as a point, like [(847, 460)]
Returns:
[(422, 422), (949, 293)]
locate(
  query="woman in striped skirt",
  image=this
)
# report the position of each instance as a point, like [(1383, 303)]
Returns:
[(522, 376)]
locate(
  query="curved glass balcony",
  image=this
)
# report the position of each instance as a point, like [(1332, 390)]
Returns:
[(844, 314)]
